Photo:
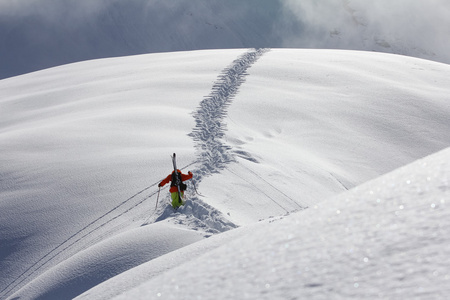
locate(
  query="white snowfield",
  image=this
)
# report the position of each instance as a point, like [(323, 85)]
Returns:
[(288, 147)]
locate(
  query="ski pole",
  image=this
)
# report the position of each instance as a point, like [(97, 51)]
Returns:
[(195, 189), (148, 218), (157, 198)]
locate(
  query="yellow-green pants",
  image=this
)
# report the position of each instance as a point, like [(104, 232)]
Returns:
[(175, 201)]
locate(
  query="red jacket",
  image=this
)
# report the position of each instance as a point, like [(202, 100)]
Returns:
[(174, 189)]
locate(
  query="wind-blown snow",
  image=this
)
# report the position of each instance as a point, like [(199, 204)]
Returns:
[(84, 146)]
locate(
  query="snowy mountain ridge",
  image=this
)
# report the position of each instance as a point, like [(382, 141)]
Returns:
[(85, 145)]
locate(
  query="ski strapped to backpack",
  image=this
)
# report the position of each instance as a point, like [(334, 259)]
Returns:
[(176, 178)]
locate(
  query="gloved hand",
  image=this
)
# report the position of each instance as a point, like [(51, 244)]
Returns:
[(190, 173), (159, 184)]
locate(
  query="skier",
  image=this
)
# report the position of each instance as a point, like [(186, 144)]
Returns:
[(176, 179)]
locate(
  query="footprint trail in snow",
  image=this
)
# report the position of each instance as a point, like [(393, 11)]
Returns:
[(213, 153)]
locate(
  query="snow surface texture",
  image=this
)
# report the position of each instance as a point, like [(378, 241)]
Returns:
[(37, 34), (386, 239), (85, 145)]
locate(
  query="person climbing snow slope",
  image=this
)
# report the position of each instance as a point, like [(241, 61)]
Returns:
[(174, 179)]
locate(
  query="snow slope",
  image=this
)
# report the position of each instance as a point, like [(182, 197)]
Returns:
[(387, 239), (37, 34), (266, 133), (84, 144)]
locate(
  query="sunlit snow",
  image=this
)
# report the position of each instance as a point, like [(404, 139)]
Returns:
[(85, 145)]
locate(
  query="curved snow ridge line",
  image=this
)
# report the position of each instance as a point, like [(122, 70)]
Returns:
[(210, 129)]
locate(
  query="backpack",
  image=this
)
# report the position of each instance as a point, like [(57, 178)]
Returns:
[(174, 181)]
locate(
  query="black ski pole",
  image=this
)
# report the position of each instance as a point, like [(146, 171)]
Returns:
[(157, 198), (148, 218), (195, 189)]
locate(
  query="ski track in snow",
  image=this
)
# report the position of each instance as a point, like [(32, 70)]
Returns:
[(214, 155), (268, 190), (82, 234), (209, 131)]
